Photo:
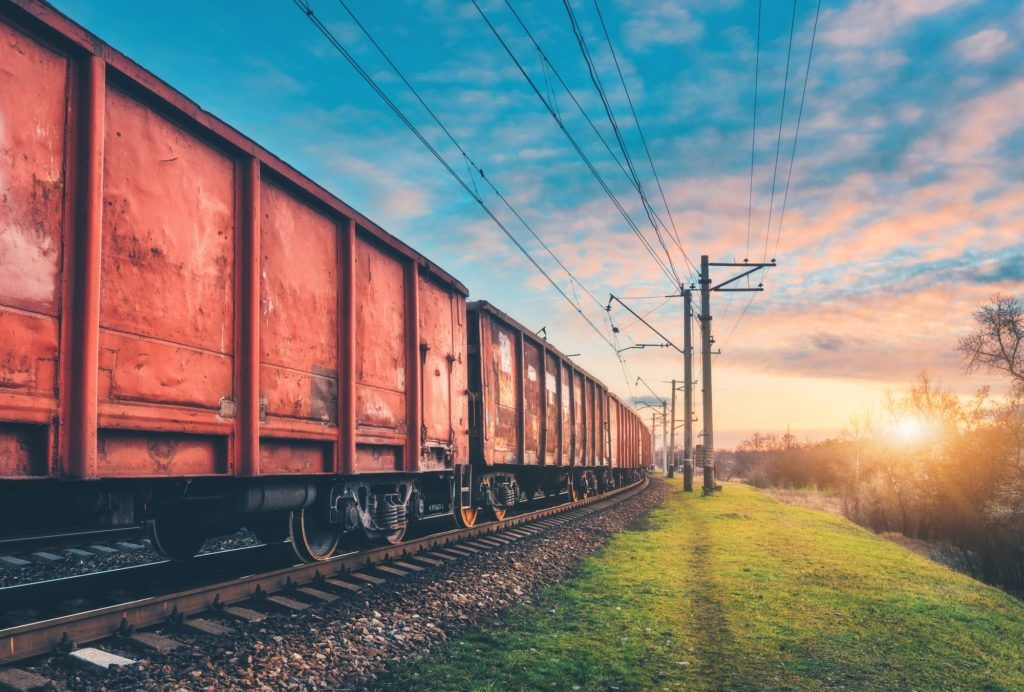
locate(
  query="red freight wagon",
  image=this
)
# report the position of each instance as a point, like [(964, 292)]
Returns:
[(538, 422), (192, 334)]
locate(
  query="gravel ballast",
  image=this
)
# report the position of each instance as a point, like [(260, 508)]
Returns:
[(87, 559), (347, 644)]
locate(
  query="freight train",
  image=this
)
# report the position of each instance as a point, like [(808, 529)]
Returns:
[(195, 337)]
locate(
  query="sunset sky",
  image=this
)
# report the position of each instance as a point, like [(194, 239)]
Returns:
[(905, 207)]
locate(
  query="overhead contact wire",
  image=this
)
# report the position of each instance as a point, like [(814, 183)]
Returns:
[(753, 128), (326, 32), (643, 139), (576, 146), (587, 118), (469, 160), (778, 145), (595, 78)]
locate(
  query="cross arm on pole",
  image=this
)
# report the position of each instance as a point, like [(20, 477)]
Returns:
[(612, 297), (751, 268)]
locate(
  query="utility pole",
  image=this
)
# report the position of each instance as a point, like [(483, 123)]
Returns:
[(705, 356), (654, 439), (672, 427), (706, 340), (664, 430), (687, 394)]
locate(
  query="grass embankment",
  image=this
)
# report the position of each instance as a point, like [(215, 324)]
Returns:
[(741, 591)]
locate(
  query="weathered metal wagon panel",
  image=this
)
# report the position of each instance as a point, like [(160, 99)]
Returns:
[(167, 284), (614, 416), (442, 319), (299, 283), (593, 433), (500, 366), (566, 415), (533, 395), (381, 346), (34, 90), (552, 409), (579, 420)]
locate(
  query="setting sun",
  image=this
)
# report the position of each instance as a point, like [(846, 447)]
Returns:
[(911, 429)]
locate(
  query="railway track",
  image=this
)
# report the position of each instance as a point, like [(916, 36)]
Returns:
[(63, 614)]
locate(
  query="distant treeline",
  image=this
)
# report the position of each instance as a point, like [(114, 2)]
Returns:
[(930, 465)]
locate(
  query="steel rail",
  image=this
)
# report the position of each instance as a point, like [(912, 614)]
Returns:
[(60, 633)]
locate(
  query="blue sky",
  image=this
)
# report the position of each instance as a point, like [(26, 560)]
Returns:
[(906, 205)]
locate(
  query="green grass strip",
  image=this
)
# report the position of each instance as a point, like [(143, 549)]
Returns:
[(739, 591)]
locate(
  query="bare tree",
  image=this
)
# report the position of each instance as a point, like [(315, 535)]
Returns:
[(997, 342)]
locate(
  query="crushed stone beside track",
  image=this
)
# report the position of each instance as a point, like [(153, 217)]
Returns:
[(73, 565), (348, 644)]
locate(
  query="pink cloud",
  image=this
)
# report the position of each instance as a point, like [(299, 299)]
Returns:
[(984, 46), (868, 22)]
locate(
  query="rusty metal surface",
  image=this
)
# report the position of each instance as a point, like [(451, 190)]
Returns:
[(298, 311), (37, 638), (552, 409), (34, 92), (565, 413), (167, 285), (500, 376), (533, 393), (381, 413), (442, 335), (42, 15), (610, 436)]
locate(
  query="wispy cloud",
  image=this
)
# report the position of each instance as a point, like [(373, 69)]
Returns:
[(984, 46), (869, 22), (661, 23)]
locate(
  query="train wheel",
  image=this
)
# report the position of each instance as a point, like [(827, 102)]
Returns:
[(175, 540), (499, 514), (465, 517), (313, 539)]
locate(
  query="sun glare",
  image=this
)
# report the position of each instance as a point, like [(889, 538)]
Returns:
[(910, 429)]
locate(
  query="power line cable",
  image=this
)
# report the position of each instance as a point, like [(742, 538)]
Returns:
[(778, 145), (579, 150), (792, 157), (595, 78), (590, 122), (796, 135), (640, 131), (469, 161), (304, 6), (753, 128)]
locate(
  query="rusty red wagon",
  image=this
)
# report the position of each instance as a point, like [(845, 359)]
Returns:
[(188, 316), (538, 422), (194, 336)]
